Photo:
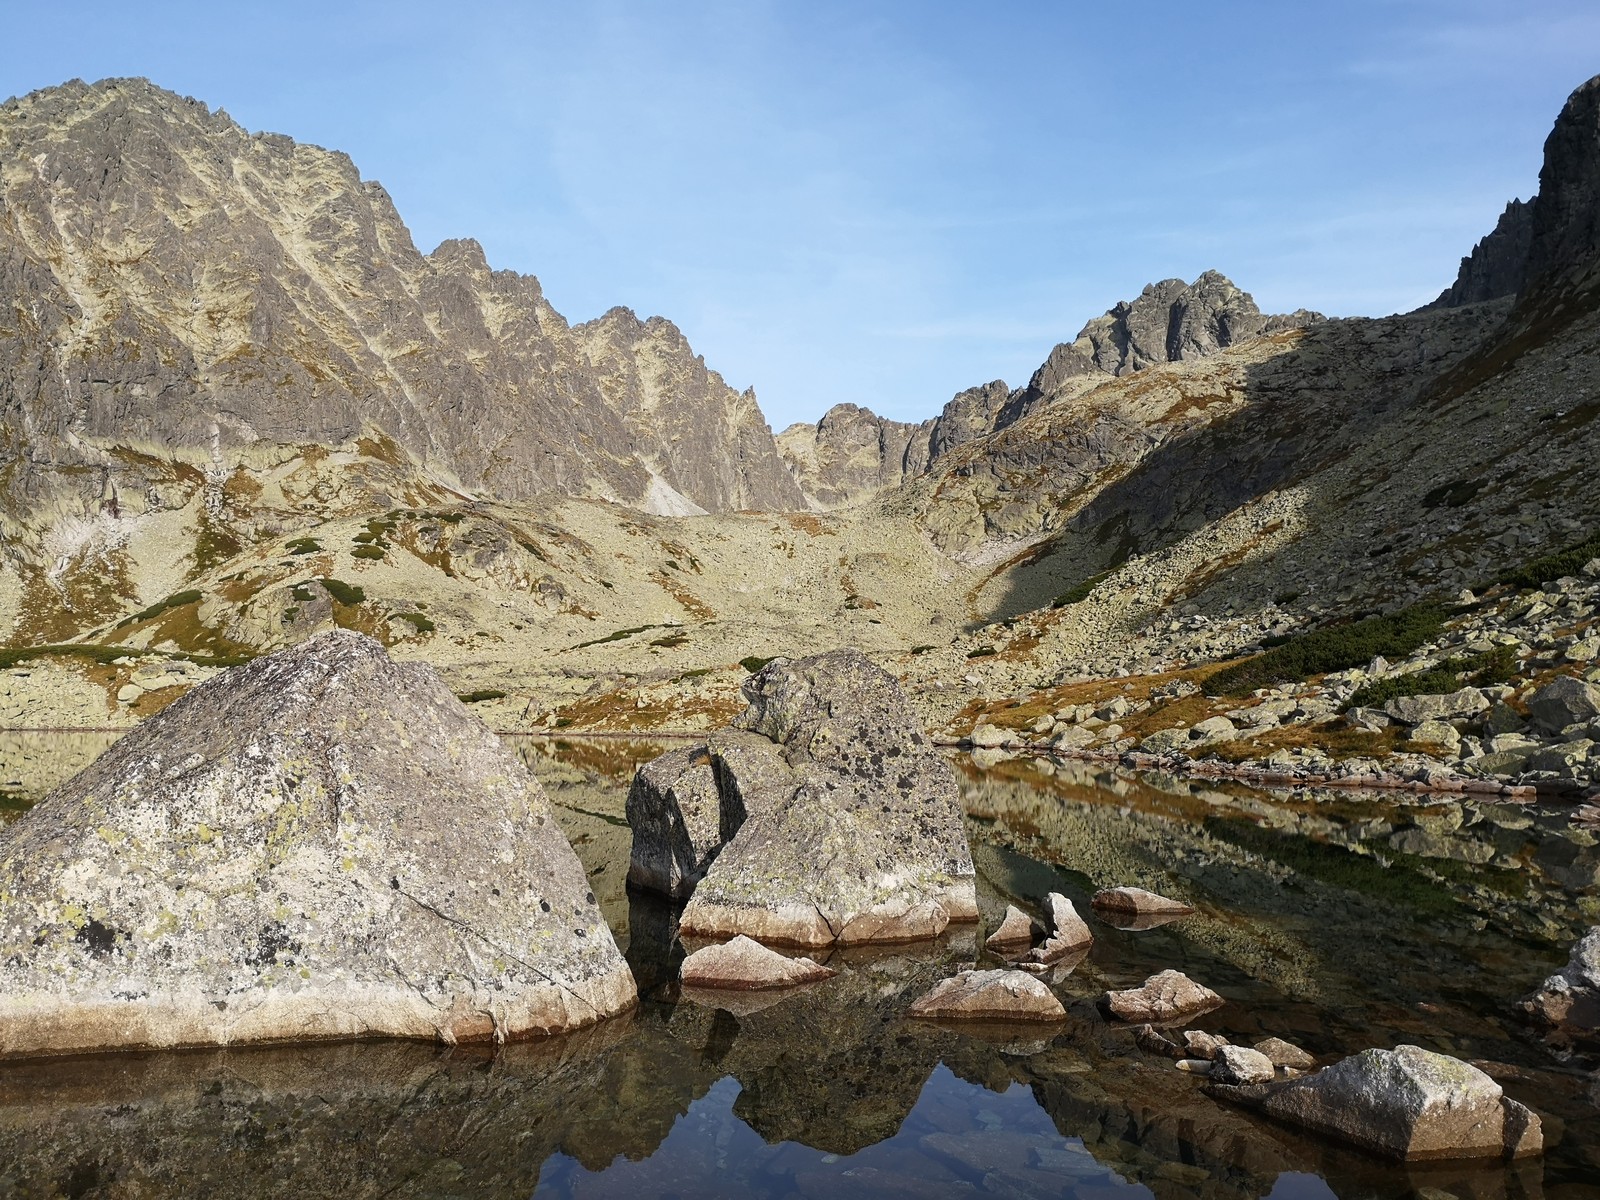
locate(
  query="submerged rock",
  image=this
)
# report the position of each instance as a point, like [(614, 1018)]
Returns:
[(746, 964), (990, 996), (1138, 901), (837, 820), (1407, 1103), (1169, 996), (320, 844)]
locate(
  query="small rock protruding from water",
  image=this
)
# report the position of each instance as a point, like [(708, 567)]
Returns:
[(1014, 930), (1407, 1104), (1169, 996), (1069, 934), (1568, 1002), (990, 996), (1139, 902), (1242, 1065), (1286, 1054), (745, 964), (320, 844)]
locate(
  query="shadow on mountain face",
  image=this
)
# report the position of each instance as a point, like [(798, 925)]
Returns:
[(1391, 434)]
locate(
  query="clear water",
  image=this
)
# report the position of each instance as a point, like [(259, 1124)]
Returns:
[(1336, 921)]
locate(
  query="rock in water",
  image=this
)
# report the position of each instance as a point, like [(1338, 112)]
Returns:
[(990, 996), (1569, 1001), (1138, 901), (1068, 933), (1169, 996), (840, 823), (321, 844), (676, 814), (1406, 1103), (746, 964), (1016, 929)]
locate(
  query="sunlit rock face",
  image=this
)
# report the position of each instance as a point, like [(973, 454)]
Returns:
[(834, 820), (194, 290), (321, 844)]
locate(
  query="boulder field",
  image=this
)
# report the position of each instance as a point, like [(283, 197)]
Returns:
[(822, 817), (320, 844)]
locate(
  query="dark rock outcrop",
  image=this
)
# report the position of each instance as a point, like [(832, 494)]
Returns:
[(841, 823), (321, 844), (1497, 265), (1564, 244)]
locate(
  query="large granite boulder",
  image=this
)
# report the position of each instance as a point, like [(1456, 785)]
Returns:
[(837, 822), (321, 844), (1408, 1103)]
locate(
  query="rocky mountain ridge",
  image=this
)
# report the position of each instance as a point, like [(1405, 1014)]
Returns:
[(852, 454), (183, 289)]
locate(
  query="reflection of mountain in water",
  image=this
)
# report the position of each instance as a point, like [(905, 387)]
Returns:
[(1337, 922)]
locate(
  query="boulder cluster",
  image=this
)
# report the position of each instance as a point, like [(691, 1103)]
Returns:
[(822, 817)]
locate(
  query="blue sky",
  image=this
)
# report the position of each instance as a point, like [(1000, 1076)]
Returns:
[(883, 203)]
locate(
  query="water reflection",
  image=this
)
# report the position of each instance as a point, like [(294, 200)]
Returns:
[(1335, 921)]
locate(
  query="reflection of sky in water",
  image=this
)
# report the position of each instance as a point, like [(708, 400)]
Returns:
[(1338, 922), (959, 1140)]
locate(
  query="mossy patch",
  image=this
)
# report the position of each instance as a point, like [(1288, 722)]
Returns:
[(342, 592), (480, 695)]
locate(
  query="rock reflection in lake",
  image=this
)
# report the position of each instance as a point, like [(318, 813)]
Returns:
[(1335, 921)]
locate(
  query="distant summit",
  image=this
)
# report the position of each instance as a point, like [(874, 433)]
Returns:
[(201, 293), (851, 454)]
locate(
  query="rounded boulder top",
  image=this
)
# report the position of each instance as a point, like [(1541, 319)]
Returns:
[(320, 844)]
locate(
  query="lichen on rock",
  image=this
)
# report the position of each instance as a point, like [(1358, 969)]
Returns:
[(320, 844)]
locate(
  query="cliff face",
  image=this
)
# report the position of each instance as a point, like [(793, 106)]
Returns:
[(1497, 265), (179, 288)]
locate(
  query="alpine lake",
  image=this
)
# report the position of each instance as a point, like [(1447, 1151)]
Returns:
[(1338, 921)]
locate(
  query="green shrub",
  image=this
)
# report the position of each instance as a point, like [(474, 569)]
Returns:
[(418, 622), (1476, 670), (1453, 494), (1552, 566), (981, 652), (617, 636), (1080, 591), (304, 545), (1319, 651), (922, 649), (343, 593), (484, 694), (301, 593), (753, 663), (373, 552), (697, 673), (176, 600), (671, 640)]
